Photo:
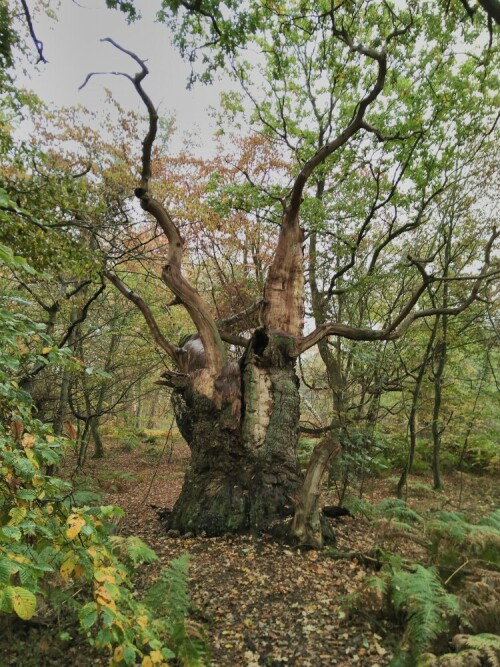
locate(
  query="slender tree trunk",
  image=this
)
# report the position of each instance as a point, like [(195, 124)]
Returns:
[(61, 413), (83, 444), (152, 410), (96, 437), (412, 418), (138, 405), (437, 429), (307, 525), (441, 357)]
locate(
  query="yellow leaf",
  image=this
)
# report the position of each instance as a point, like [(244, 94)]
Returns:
[(75, 524), (17, 514), (46, 350), (79, 571), (23, 602), (156, 657), (147, 662), (28, 440), (68, 565), (118, 654), (104, 598), (105, 574), (142, 622), (18, 558)]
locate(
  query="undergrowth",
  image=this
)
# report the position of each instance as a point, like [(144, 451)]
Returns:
[(455, 587), (57, 556)]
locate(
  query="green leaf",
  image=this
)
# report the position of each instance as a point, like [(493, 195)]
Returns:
[(11, 533), (4, 201), (7, 569), (88, 615), (129, 655)]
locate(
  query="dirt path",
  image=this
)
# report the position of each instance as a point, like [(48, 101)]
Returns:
[(263, 604), (260, 603)]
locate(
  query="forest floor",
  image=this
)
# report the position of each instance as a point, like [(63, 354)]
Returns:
[(261, 603)]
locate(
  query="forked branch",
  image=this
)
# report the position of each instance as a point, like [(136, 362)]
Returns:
[(38, 43), (407, 315), (172, 270), (138, 301), (356, 124)]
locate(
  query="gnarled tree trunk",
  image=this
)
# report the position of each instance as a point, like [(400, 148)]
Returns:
[(243, 472)]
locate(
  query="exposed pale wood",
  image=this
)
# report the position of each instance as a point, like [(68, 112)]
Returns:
[(306, 526)]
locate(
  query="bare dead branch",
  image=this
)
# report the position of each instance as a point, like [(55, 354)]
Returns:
[(38, 44), (233, 339), (172, 270)]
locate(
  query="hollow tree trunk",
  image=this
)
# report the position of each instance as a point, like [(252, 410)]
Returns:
[(243, 472)]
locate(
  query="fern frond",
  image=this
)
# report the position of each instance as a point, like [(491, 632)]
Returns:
[(359, 506), (377, 583), (169, 597), (484, 640), (487, 644), (393, 508), (492, 520), (133, 549), (425, 603)]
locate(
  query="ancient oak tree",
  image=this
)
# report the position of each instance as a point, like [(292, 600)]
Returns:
[(366, 102)]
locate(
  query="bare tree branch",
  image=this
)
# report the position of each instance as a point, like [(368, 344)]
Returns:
[(138, 301), (38, 44), (354, 126), (492, 8), (172, 270)]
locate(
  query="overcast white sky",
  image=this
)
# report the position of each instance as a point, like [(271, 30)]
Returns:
[(73, 48)]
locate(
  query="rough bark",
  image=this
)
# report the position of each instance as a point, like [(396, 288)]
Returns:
[(243, 473)]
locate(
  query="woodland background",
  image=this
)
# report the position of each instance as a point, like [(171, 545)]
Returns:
[(86, 421)]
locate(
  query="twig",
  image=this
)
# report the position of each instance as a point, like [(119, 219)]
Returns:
[(456, 572)]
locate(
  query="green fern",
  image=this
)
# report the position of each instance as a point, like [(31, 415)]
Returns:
[(170, 591), (359, 506), (133, 549), (425, 603), (170, 597), (393, 508), (491, 521), (463, 540), (484, 641), (487, 644)]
